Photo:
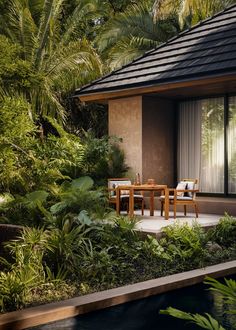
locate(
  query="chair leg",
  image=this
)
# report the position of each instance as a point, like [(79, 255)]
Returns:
[(185, 210), (196, 210), (126, 205), (162, 204), (142, 207), (174, 211)]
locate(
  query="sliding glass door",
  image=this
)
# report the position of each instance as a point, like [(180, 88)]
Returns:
[(207, 143), (232, 145), (212, 145)]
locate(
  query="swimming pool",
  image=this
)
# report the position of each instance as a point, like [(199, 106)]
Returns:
[(144, 314)]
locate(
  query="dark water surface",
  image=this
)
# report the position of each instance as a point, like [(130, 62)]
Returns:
[(144, 314)]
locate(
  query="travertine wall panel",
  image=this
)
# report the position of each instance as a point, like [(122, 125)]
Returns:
[(125, 121)]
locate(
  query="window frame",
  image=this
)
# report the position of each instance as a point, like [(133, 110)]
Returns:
[(226, 131)]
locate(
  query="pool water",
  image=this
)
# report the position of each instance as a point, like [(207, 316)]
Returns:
[(144, 314)]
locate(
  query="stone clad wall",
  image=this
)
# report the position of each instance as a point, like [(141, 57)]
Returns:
[(125, 121), (147, 127)]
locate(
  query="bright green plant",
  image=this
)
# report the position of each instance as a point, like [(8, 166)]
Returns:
[(28, 278), (55, 52), (16, 130), (27, 210), (14, 288), (98, 266), (228, 293), (190, 11), (204, 321), (76, 196), (152, 249), (26, 272), (103, 157), (224, 232), (184, 242), (133, 32), (27, 163), (71, 202)]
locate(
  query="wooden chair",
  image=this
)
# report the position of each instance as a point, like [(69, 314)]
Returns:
[(184, 194), (124, 196)]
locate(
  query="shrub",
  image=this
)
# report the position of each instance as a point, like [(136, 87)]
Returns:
[(184, 242), (224, 232), (103, 158)]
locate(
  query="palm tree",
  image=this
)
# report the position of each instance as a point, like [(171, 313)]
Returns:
[(129, 34), (60, 58), (190, 11)]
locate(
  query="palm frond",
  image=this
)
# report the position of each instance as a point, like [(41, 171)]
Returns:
[(85, 9), (163, 8), (76, 59), (127, 50), (21, 28), (204, 321), (44, 27), (228, 290), (132, 33)]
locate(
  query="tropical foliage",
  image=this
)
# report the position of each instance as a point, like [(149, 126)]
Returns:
[(189, 11), (56, 156), (227, 292), (129, 34), (55, 55), (146, 24), (97, 253)]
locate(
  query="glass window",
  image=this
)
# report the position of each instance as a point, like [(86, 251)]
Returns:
[(201, 143), (232, 145), (212, 145)]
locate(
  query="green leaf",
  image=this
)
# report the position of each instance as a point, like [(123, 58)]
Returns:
[(84, 218), (58, 207), (205, 322), (37, 196), (35, 199), (83, 183)]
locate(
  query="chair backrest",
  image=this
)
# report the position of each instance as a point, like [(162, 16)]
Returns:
[(191, 184), (114, 182)]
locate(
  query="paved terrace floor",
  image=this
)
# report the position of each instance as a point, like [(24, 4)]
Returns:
[(156, 223)]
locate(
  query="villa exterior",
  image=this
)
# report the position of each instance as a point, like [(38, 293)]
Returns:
[(175, 107)]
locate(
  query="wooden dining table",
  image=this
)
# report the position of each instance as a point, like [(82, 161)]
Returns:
[(143, 188)]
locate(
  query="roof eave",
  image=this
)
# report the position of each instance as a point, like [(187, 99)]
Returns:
[(105, 95)]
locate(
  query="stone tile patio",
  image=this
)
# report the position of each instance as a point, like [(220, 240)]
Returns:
[(156, 223)]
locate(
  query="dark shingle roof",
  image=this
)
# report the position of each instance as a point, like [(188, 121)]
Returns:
[(208, 49)]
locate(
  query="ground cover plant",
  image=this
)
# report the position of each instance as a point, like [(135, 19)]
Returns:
[(75, 253)]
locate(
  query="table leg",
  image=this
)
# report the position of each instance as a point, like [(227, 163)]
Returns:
[(151, 203), (166, 204), (131, 202)]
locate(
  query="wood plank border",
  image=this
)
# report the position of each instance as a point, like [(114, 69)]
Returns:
[(34, 316)]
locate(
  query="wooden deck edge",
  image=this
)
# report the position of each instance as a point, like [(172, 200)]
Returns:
[(39, 315)]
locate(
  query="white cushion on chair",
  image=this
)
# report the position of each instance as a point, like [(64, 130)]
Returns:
[(181, 186), (127, 196), (180, 198), (190, 185), (114, 183)]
